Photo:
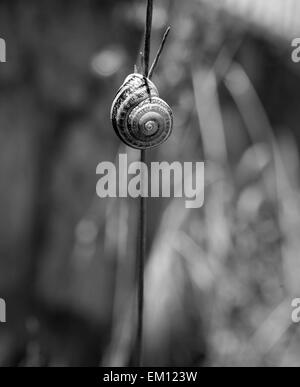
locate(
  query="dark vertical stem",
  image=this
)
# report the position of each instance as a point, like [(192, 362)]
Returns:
[(143, 211), (148, 37), (140, 270)]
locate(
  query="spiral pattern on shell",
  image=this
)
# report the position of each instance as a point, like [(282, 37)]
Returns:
[(140, 118)]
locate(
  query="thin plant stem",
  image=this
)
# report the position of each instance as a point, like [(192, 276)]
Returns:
[(138, 355), (140, 270), (159, 52), (147, 46)]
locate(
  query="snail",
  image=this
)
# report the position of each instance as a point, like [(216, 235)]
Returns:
[(139, 116)]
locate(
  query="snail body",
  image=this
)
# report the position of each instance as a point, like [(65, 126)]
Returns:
[(139, 116)]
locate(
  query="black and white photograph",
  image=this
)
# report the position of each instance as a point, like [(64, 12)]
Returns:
[(149, 187)]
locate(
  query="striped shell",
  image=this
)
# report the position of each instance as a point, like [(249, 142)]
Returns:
[(140, 118)]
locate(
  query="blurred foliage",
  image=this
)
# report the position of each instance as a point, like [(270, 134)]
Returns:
[(219, 280)]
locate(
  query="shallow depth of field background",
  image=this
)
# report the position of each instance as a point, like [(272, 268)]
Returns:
[(220, 279)]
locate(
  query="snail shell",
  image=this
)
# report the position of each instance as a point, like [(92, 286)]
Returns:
[(140, 118)]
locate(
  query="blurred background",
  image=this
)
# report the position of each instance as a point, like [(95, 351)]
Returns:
[(220, 279)]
